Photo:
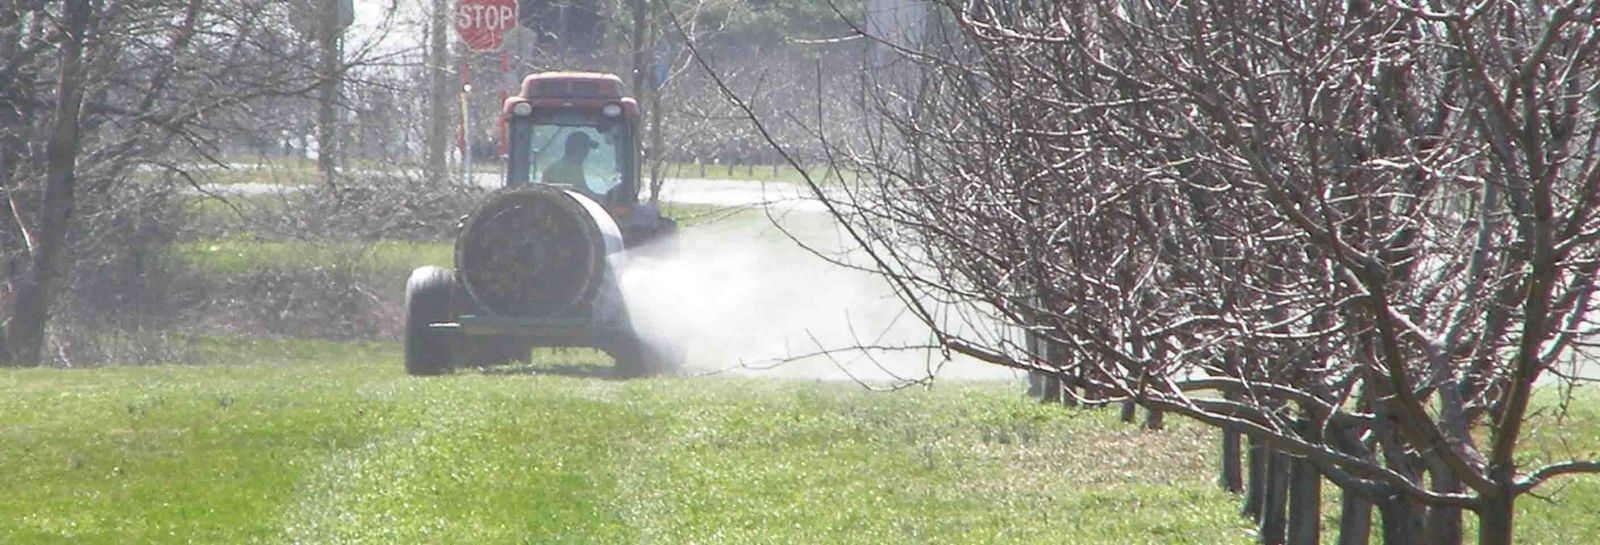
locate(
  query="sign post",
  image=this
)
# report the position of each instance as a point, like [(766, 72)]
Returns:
[(466, 139), (504, 65), (482, 26)]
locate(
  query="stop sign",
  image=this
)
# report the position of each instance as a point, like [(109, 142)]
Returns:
[(482, 24)]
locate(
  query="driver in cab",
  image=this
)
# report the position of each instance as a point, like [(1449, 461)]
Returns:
[(569, 169)]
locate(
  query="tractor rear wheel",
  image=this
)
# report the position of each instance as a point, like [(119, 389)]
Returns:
[(631, 359), (636, 358), (428, 350)]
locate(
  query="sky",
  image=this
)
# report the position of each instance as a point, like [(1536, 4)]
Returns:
[(389, 26)]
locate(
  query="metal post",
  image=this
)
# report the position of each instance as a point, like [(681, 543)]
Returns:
[(505, 83), (466, 133)]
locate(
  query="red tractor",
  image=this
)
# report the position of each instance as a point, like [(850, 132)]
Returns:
[(538, 263)]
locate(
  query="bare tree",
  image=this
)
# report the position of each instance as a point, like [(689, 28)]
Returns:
[(689, 122), (131, 88), (1358, 233), (25, 327)]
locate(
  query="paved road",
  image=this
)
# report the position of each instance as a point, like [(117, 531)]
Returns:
[(741, 193)]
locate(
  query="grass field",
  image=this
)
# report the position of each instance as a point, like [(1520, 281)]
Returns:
[(308, 442), (324, 443), (237, 251), (242, 255), (298, 171)]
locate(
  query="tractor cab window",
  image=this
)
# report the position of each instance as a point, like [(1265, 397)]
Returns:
[(570, 151)]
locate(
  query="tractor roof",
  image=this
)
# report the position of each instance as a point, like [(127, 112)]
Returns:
[(572, 85)]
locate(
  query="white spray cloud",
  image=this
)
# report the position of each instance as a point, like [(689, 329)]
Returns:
[(740, 297)]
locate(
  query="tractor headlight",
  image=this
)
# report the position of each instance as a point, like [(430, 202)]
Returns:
[(611, 110), (521, 108)]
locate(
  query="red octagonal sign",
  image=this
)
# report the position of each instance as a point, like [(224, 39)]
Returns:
[(482, 24)]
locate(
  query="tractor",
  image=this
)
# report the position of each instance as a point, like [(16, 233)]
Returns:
[(537, 263)]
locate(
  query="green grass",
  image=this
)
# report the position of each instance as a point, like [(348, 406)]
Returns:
[(288, 171), (230, 216), (313, 442), (320, 443), (238, 253), (235, 256), (1565, 511)]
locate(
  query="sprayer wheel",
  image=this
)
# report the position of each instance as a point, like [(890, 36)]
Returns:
[(629, 358), (636, 359), (428, 301)]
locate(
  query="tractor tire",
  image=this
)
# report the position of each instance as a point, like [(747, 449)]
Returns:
[(631, 360), (428, 351), (637, 359)]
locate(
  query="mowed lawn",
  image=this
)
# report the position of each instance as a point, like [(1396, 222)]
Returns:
[(300, 442)]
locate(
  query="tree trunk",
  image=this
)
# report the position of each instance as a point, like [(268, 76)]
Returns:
[(1256, 485), (1046, 387), (435, 164), (1402, 521), (1050, 391), (328, 91), (656, 157), (1273, 520), (25, 332), (641, 31), (13, 123), (1154, 420), (641, 69), (1305, 503), (1231, 478), (1495, 520), (1443, 523), (1067, 392), (1129, 411), (1355, 519)]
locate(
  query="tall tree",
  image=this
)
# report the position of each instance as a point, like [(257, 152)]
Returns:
[(437, 142), (330, 72), (25, 329)]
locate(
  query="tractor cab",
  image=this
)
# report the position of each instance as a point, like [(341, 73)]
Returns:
[(576, 131)]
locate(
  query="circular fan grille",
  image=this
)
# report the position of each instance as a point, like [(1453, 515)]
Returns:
[(530, 252)]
